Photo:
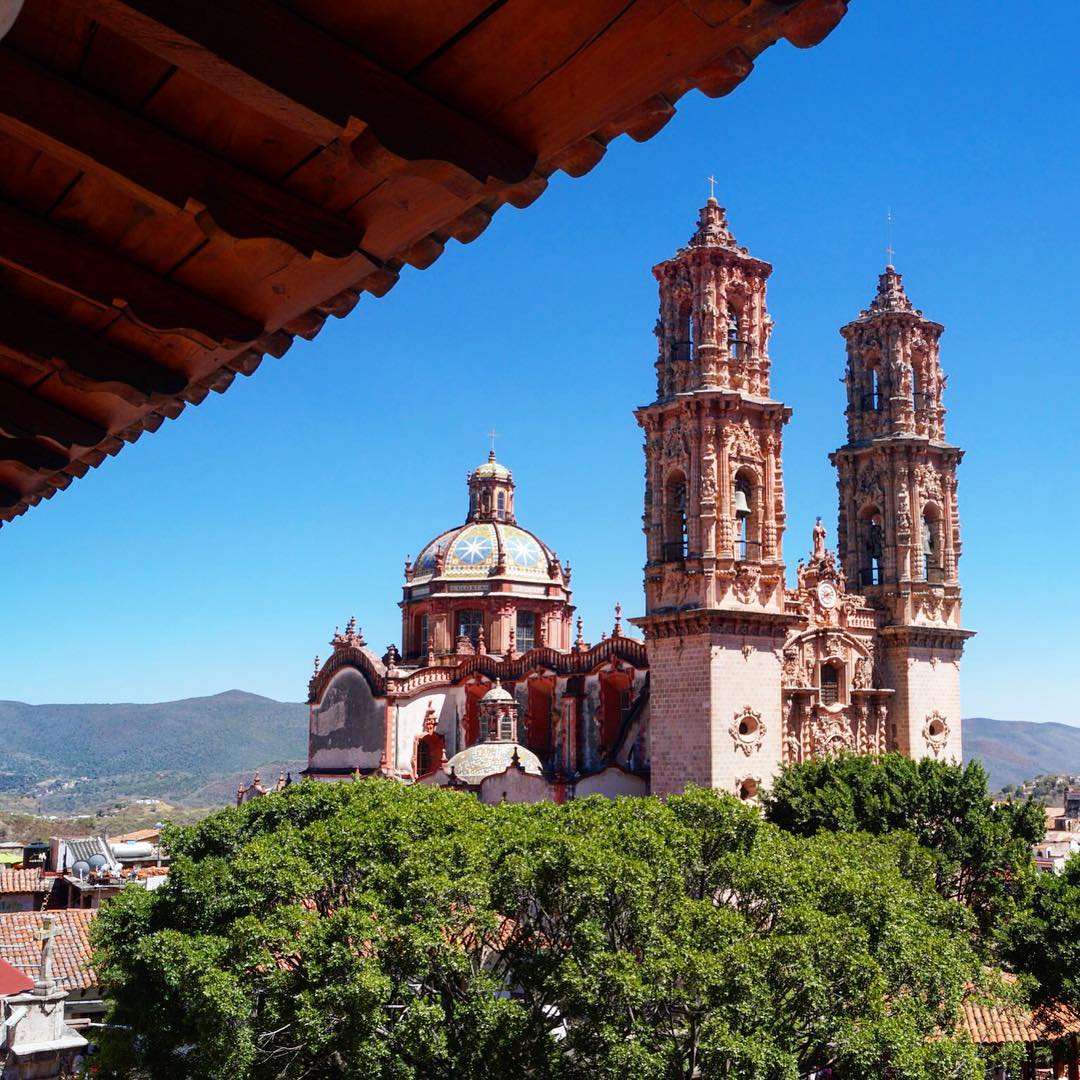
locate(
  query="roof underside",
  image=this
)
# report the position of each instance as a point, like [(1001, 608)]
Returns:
[(185, 187)]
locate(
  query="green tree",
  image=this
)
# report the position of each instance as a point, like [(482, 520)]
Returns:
[(1043, 941), (982, 849), (375, 930)]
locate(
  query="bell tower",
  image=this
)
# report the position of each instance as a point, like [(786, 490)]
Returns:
[(714, 520), (899, 526)]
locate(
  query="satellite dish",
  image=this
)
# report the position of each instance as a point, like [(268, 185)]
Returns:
[(98, 862), (81, 869)]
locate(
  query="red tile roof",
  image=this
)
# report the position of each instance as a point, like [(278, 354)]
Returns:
[(23, 881), (993, 1023), (71, 949)]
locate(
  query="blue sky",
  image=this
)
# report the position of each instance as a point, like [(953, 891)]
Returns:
[(221, 551)]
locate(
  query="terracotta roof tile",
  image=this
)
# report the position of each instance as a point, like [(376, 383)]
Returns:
[(990, 1022), (23, 881), (71, 949)]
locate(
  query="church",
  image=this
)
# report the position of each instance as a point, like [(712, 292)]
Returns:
[(494, 689)]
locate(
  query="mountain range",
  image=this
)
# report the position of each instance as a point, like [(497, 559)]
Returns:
[(1018, 750), (194, 752)]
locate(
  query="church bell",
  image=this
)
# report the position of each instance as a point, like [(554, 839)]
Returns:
[(742, 507)]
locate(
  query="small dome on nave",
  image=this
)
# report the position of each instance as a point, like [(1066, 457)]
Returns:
[(484, 759)]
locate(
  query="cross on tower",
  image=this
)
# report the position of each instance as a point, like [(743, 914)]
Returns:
[(888, 237), (493, 435), (45, 935), (712, 186)]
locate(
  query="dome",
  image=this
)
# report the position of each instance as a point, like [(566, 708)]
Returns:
[(491, 468), (497, 693), (472, 551), (483, 759)]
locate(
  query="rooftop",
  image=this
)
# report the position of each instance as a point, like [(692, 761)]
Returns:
[(71, 949)]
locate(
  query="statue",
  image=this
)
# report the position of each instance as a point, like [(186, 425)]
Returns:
[(819, 540)]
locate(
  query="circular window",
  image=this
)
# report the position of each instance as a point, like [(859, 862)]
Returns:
[(748, 789), (936, 728), (748, 726)]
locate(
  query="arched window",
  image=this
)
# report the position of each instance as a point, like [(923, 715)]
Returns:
[(506, 727), (734, 338), (683, 345), (675, 528), (871, 547), (875, 389), (424, 764), (422, 631), (468, 625), (747, 521), (830, 684), (501, 504)]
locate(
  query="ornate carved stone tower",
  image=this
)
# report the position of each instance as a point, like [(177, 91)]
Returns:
[(714, 519), (899, 527)]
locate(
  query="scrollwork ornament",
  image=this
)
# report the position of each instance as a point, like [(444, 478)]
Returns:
[(747, 731), (935, 733)]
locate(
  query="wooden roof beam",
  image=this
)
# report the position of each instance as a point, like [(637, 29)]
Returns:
[(24, 414), (43, 251), (40, 338), (299, 75), (85, 131)]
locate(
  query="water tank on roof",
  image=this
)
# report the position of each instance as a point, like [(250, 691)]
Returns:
[(130, 850)]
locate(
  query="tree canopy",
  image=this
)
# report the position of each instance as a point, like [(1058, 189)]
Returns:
[(373, 930), (982, 849)]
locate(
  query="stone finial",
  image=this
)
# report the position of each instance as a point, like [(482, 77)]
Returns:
[(511, 650), (890, 293), (579, 641), (567, 572), (616, 630), (316, 671), (712, 228), (481, 644), (408, 568)]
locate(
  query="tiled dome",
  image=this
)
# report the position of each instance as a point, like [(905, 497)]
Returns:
[(472, 551)]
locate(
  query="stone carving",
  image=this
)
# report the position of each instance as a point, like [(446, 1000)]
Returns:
[(832, 734), (864, 668), (746, 580), (818, 540), (935, 732), (430, 720), (743, 442), (708, 473), (747, 650), (929, 482), (793, 674), (747, 730), (675, 445)]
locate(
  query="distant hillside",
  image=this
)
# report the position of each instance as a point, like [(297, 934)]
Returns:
[(1017, 750), (60, 758)]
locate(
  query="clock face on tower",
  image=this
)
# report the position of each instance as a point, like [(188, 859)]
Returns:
[(826, 594)]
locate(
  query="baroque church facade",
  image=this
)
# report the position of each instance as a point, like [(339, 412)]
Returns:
[(494, 688)]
